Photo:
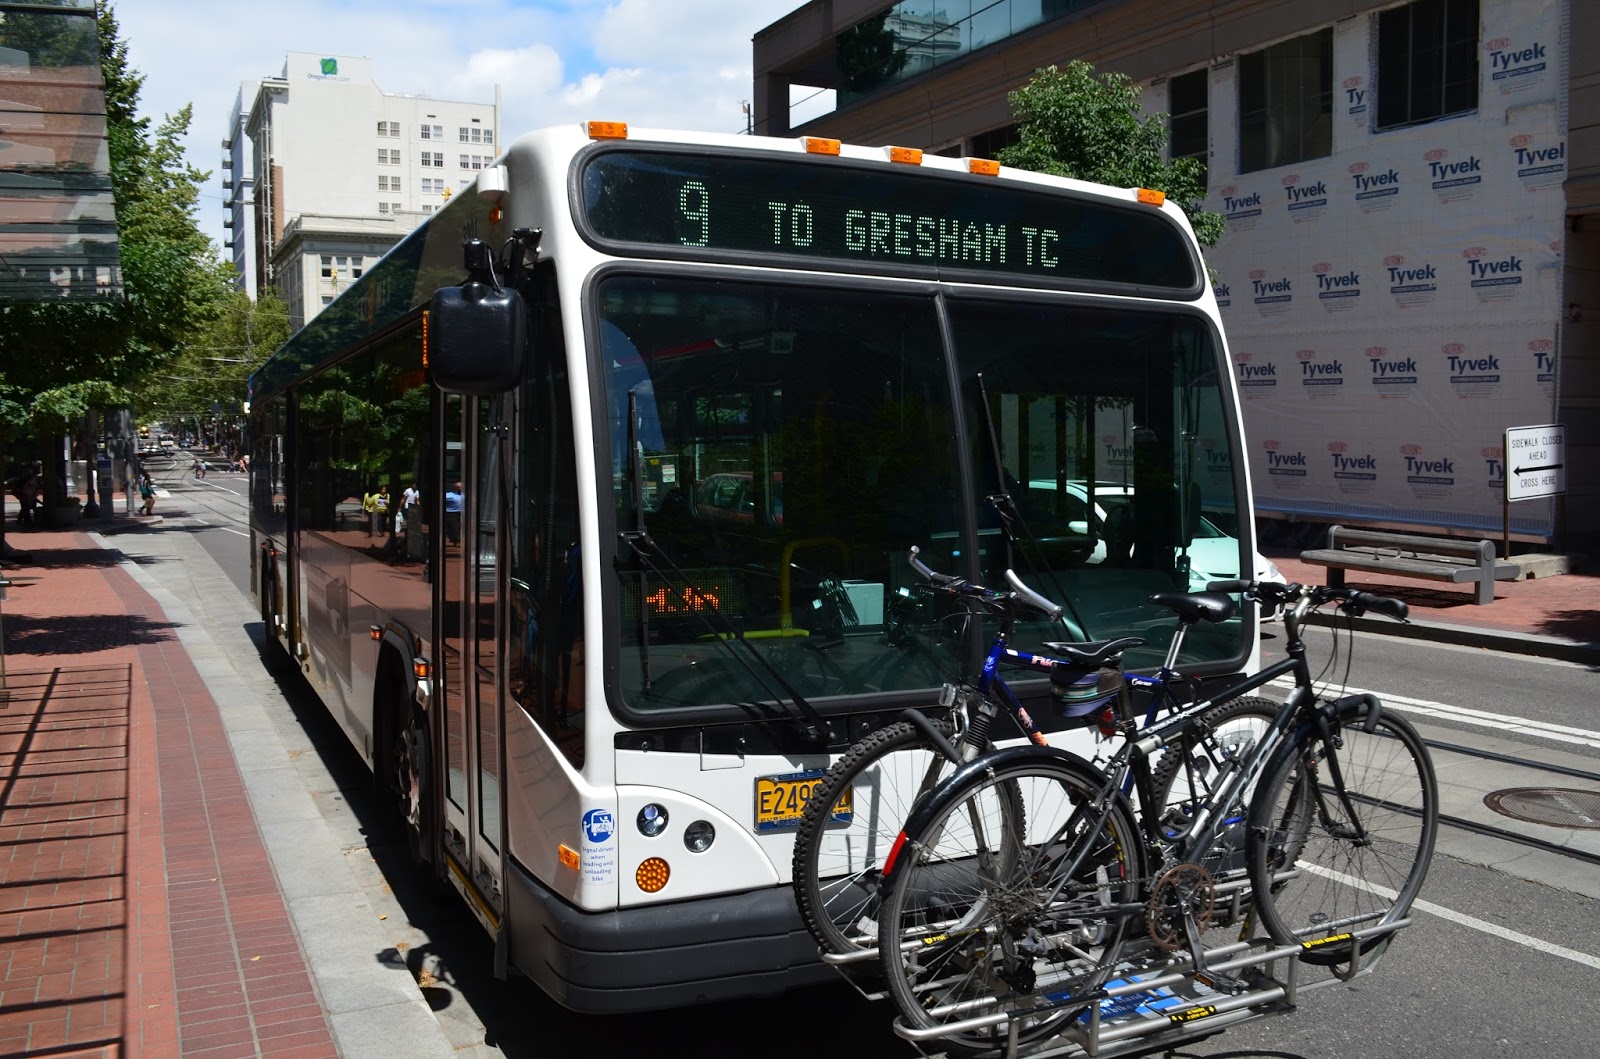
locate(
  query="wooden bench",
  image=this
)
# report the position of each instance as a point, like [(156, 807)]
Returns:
[(1409, 555)]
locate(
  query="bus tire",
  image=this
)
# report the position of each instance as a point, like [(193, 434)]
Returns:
[(273, 654), (403, 771)]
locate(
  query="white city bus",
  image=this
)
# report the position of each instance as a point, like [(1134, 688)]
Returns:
[(674, 407)]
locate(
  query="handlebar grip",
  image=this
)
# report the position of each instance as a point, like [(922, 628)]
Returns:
[(1386, 605), (927, 572), (1032, 598), (1229, 586)]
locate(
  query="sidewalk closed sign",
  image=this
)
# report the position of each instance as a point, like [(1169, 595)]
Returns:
[(1536, 459)]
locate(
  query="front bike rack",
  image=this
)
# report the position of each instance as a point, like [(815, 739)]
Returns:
[(1155, 1000)]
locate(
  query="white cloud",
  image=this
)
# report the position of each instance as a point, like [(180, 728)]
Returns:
[(680, 64)]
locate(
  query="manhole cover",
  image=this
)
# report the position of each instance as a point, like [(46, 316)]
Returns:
[(1553, 806)]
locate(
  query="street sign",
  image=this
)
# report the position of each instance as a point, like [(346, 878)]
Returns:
[(1536, 462)]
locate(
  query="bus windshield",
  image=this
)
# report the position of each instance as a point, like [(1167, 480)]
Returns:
[(791, 443)]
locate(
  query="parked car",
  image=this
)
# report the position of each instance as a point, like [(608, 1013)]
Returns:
[(1213, 554)]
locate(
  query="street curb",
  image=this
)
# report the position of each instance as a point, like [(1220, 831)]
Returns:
[(1522, 643)]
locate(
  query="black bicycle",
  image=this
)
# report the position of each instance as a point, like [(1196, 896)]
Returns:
[(862, 804), (1007, 927)]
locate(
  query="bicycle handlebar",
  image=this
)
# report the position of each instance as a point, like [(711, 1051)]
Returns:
[(1353, 602), (959, 586)]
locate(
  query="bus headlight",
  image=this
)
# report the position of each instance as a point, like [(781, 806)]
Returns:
[(652, 820), (698, 836)]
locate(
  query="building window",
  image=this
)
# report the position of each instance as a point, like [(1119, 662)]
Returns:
[(464, 131), (397, 206), (327, 299), (1286, 102), (473, 161), (488, 136), (438, 160), (327, 266), (388, 157), (1427, 61), (427, 208), (1186, 103), (990, 144), (383, 207), (432, 132), (383, 128), (355, 267)]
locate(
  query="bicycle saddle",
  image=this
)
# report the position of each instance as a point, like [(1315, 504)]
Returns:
[(1197, 606), (1099, 653)]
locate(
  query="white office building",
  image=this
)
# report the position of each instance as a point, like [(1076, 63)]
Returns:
[(329, 172)]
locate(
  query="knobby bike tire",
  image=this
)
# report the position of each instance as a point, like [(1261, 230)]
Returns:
[(1313, 882), (836, 866), (978, 928)]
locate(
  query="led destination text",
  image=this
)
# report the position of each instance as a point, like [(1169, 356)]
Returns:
[(798, 207)]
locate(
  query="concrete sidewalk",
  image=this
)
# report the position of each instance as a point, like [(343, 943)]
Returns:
[(168, 886)]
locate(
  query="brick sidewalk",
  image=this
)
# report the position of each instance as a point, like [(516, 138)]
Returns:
[(138, 910), (1566, 606)]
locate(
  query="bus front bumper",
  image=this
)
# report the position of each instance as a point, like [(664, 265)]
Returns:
[(654, 957)]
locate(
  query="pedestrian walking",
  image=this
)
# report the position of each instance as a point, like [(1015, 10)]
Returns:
[(147, 491), (452, 513), (369, 504), (28, 499)]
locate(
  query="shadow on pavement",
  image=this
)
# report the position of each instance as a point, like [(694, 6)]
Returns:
[(517, 1017), (26, 635), (1571, 624)]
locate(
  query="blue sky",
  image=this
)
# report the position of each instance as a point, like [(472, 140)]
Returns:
[(672, 63)]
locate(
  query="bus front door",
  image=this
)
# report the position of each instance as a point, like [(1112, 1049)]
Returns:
[(469, 605)]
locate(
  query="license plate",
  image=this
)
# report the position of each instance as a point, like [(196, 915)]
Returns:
[(781, 800)]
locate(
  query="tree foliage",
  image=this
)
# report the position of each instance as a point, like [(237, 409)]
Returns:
[(213, 366), (64, 358), (1074, 122)]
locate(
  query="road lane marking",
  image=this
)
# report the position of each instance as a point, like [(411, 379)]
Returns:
[(1517, 937), (225, 529), (1501, 723)]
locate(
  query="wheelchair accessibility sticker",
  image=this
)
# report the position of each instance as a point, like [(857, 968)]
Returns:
[(599, 847)]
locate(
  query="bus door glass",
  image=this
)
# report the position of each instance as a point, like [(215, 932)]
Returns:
[(468, 607), (482, 508), (451, 588)]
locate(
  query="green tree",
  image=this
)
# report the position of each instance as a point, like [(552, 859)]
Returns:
[(213, 365), (1074, 122), (64, 358)]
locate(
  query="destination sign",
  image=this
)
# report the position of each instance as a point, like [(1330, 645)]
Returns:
[(878, 218)]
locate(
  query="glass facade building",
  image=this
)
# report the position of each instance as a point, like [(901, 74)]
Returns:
[(58, 227)]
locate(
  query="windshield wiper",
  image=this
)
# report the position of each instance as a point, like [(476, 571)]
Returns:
[(704, 607)]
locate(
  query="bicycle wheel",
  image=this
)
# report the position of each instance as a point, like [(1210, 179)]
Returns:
[(1323, 865), (994, 914), (839, 849)]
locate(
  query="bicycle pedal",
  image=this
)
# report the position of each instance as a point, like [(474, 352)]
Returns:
[(1221, 983)]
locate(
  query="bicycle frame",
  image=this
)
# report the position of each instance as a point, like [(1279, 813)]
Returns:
[(1133, 757)]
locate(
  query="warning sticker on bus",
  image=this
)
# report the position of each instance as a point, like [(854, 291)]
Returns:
[(781, 800)]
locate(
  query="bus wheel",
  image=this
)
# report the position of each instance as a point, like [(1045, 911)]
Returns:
[(408, 776)]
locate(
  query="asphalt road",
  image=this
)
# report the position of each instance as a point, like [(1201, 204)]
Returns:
[(1497, 964)]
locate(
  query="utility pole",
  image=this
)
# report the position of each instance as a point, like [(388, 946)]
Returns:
[(749, 118)]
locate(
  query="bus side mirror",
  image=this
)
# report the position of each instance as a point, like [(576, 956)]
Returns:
[(477, 338)]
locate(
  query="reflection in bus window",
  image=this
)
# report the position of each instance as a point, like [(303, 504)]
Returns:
[(790, 446)]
